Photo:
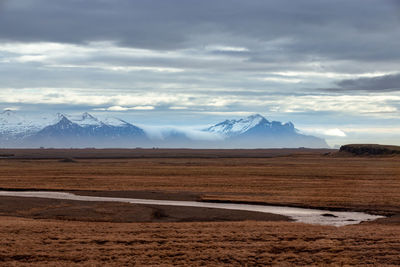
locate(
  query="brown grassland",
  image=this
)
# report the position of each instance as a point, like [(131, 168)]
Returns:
[(63, 233)]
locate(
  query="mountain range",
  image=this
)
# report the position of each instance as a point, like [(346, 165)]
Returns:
[(86, 130)]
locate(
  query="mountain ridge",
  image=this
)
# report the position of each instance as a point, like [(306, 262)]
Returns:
[(255, 131), (86, 130)]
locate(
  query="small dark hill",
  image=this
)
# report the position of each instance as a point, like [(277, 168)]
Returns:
[(68, 160), (370, 149)]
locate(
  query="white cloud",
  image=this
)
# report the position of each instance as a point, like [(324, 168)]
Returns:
[(223, 48), (37, 48), (12, 108), (31, 58), (227, 113), (281, 80), (324, 132), (334, 132), (394, 130), (109, 56), (117, 68), (194, 132), (373, 104), (119, 108), (178, 108)]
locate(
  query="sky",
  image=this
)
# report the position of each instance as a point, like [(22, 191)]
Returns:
[(332, 67)]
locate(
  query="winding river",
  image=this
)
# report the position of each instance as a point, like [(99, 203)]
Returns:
[(309, 216)]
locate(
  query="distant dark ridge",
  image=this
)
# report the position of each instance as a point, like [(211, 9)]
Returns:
[(139, 153), (370, 149)]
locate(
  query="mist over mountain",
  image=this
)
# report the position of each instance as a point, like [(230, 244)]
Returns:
[(85, 130)]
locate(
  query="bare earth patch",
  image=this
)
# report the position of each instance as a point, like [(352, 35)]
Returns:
[(38, 208)]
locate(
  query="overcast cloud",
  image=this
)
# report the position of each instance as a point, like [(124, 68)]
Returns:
[(190, 62), (374, 84)]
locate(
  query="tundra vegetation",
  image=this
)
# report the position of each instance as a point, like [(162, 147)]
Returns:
[(55, 232)]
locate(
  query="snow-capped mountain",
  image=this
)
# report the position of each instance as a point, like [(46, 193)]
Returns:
[(88, 125), (86, 130), (13, 125), (232, 128), (257, 131)]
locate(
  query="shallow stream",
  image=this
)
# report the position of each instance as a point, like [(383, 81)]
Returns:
[(310, 216)]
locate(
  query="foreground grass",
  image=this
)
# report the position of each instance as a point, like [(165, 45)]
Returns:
[(32, 242)]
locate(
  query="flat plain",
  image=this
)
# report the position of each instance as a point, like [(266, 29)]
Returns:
[(49, 232)]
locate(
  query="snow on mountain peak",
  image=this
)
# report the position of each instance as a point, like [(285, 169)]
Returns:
[(255, 117), (12, 123), (236, 127), (60, 116), (9, 118), (86, 115), (8, 112), (88, 120), (111, 121), (85, 120)]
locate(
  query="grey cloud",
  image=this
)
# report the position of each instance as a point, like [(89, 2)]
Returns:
[(236, 57), (359, 29), (375, 84)]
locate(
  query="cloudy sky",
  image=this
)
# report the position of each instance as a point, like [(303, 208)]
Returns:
[(332, 67)]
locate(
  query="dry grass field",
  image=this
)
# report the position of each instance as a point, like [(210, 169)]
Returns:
[(292, 177), (308, 179), (61, 243)]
